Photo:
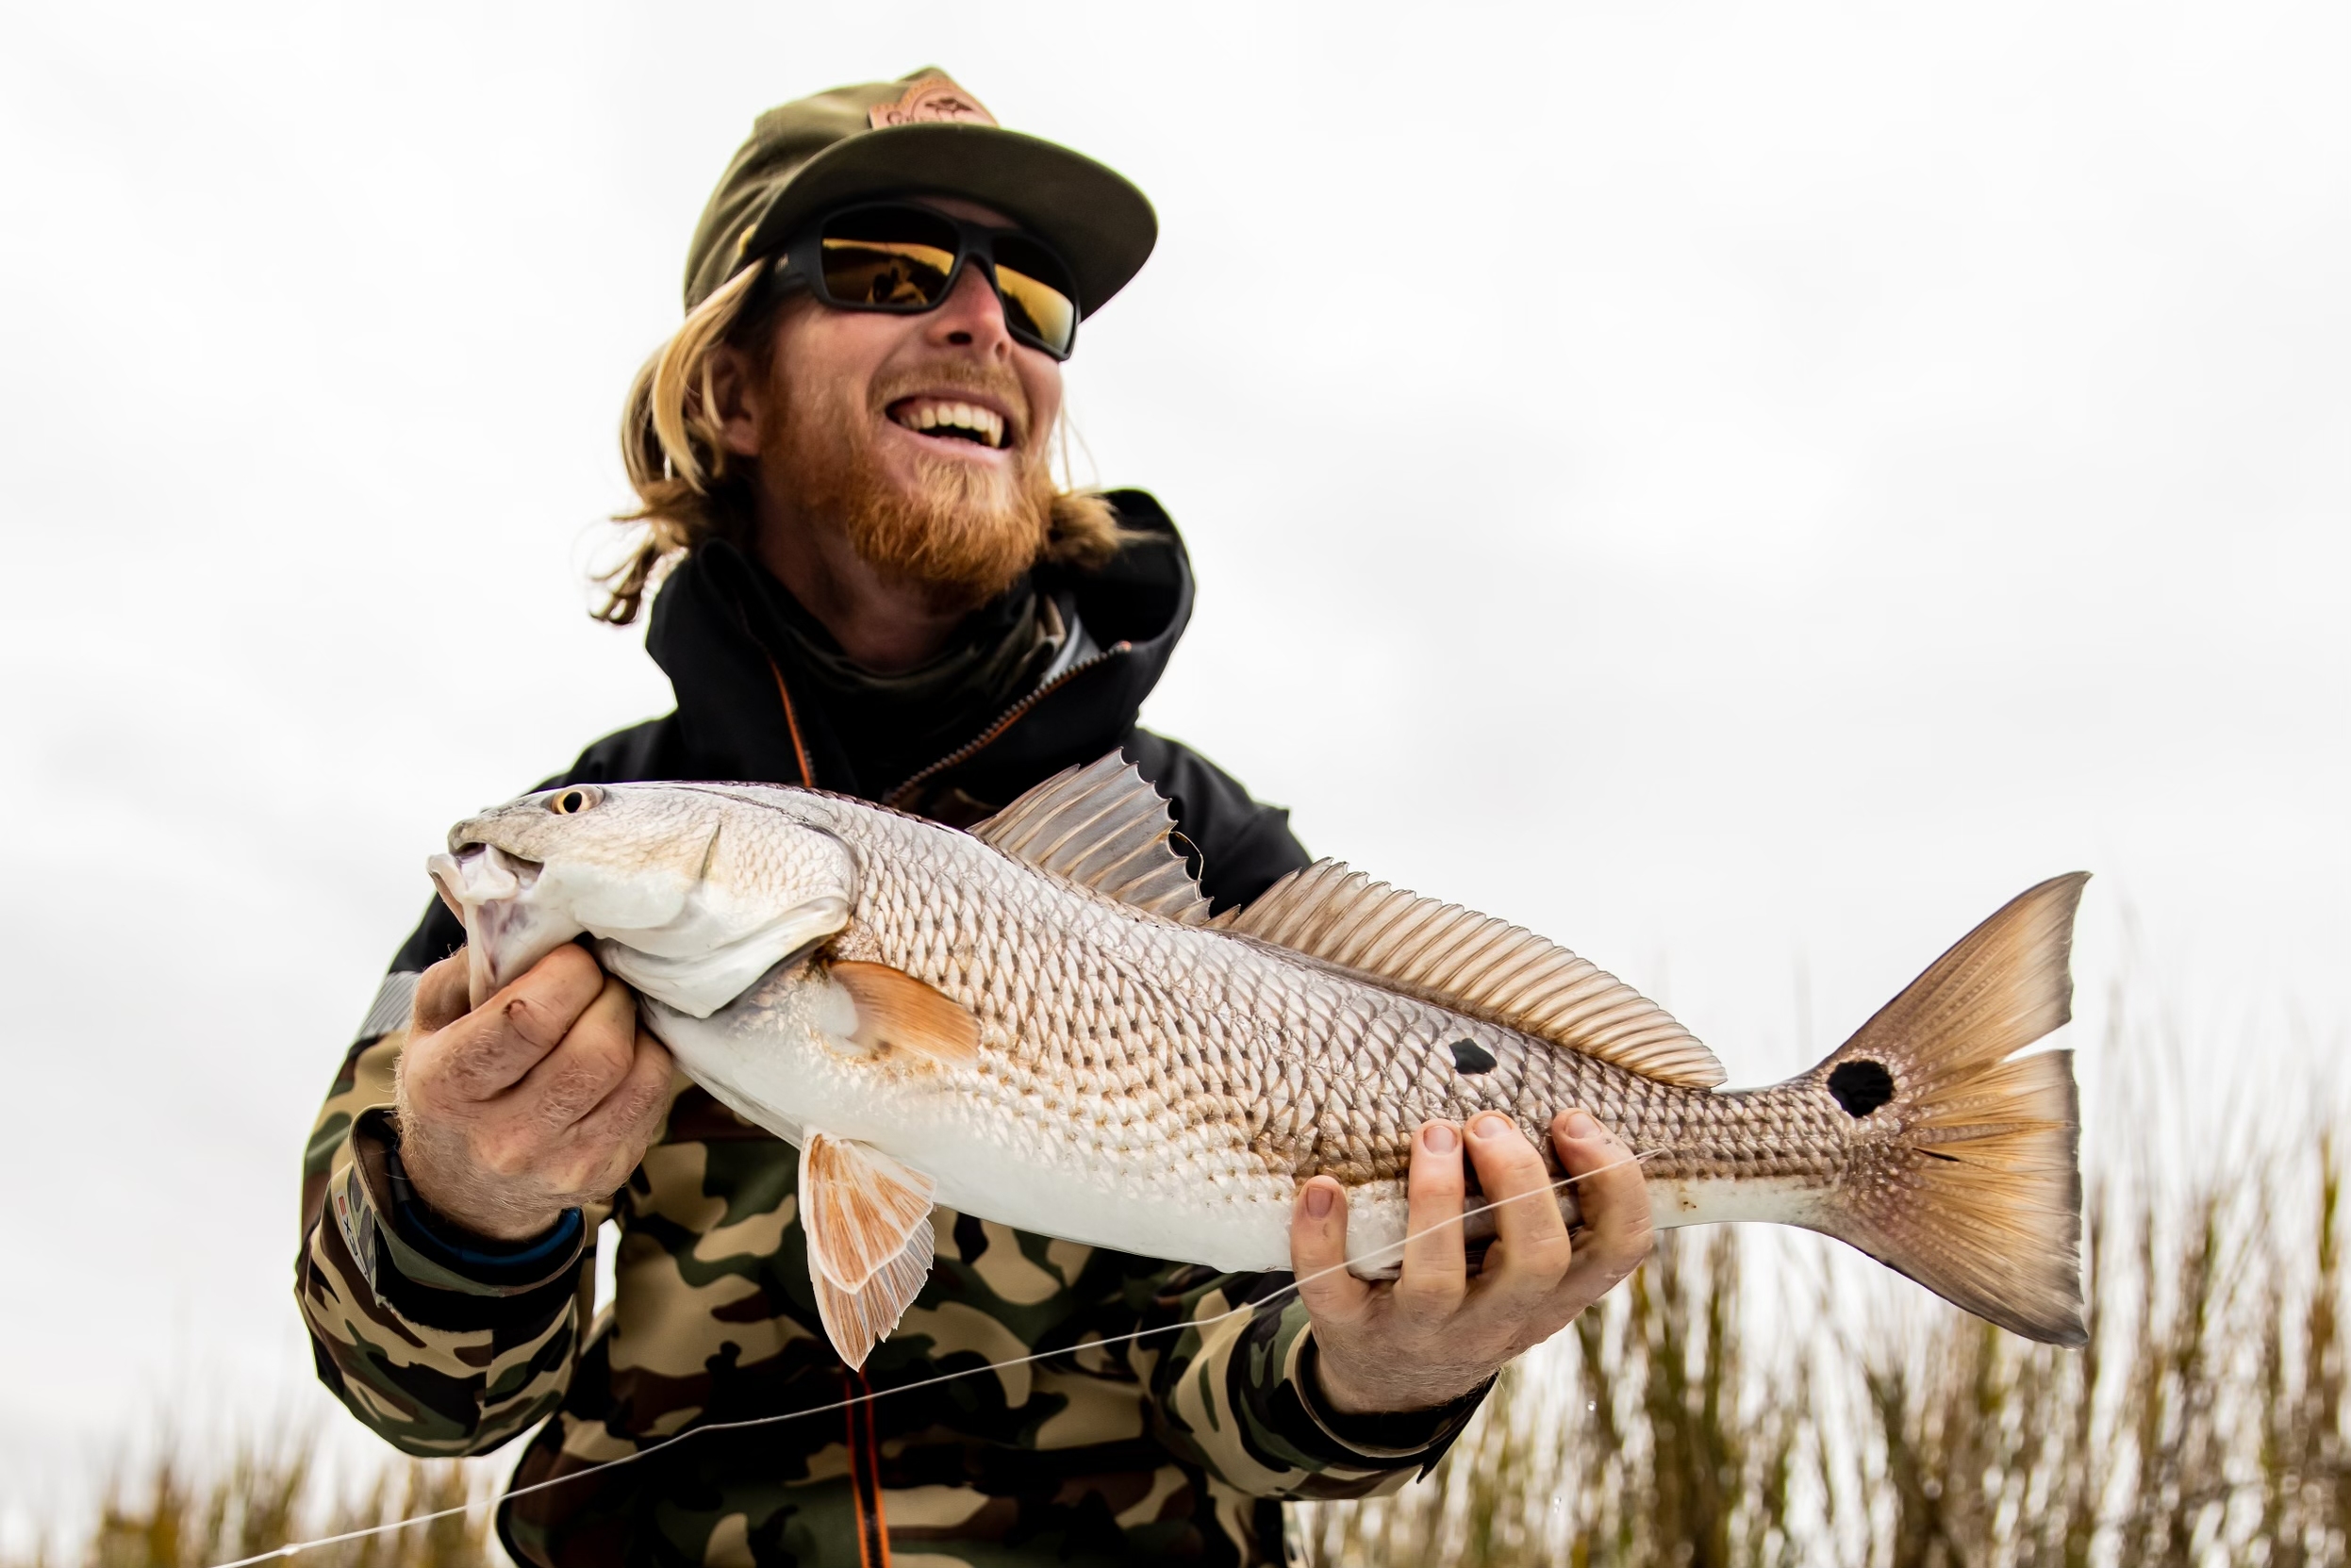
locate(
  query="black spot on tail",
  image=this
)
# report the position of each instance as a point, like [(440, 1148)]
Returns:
[(1469, 1056), (1860, 1087)]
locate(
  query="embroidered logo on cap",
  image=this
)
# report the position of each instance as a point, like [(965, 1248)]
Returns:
[(931, 98)]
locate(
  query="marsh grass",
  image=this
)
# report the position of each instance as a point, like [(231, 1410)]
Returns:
[(265, 1496), (1687, 1424), (1750, 1400)]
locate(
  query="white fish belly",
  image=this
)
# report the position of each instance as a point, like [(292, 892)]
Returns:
[(1093, 1168), (1034, 1156), (1716, 1201)]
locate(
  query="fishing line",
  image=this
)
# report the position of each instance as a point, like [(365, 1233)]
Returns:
[(1246, 1308)]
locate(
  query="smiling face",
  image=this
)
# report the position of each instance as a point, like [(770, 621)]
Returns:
[(920, 439)]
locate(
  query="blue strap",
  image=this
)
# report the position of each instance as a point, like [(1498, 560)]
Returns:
[(482, 1258)]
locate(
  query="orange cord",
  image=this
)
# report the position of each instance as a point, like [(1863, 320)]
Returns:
[(864, 1471), (791, 721)]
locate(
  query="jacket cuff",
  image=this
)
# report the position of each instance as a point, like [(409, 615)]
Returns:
[(396, 1240), (1386, 1440)]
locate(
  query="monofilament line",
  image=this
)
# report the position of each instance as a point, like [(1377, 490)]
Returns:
[(1246, 1308)]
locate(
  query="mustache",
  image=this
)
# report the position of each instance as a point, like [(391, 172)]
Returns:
[(999, 384)]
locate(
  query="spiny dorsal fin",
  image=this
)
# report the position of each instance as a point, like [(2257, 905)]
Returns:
[(1103, 827), (1472, 964)]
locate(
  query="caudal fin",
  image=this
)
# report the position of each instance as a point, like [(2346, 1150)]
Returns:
[(1977, 1192)]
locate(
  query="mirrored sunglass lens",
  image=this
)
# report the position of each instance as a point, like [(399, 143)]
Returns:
[(1037, 307), (902, 273)]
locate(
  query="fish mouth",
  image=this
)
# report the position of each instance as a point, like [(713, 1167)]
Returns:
[(507, 930), (693, 950), (475, 871)]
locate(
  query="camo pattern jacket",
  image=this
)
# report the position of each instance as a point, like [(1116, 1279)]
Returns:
[(1102, 1448), (1041, 1401)]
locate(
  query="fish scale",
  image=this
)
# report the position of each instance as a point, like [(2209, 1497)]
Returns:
[(1036, 1023), (1071, 980)]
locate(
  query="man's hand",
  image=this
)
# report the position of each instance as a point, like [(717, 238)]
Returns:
[(540, 1099), (1435, 1333)]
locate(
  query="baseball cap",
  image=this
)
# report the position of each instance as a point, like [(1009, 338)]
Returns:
[(920, 135)]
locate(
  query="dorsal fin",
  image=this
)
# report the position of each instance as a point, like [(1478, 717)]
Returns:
[(1103, 827), (1472, 964)]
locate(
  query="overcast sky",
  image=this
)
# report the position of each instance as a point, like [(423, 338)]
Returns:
[(1741, 489)]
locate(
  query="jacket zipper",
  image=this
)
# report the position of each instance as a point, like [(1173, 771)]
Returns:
[(1006, 720)]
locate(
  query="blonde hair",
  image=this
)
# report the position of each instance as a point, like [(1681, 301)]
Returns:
[(686, 493)]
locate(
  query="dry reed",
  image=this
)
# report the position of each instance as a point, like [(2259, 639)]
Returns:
[(265, 1496), (1714, 1415), (1686, 1424)]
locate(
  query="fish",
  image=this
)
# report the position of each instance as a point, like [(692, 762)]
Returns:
[(1039, 1021)]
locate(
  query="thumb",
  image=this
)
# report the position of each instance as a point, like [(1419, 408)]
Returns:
[(440, 996), (1318, 1254)]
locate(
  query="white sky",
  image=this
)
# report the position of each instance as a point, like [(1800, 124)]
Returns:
[(1742, 489)]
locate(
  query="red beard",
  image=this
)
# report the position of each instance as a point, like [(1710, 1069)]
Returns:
[(964, 533)]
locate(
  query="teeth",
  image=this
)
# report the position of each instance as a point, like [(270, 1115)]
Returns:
[(984, 422)]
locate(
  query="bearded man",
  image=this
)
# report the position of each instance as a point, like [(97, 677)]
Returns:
[(863, 579)]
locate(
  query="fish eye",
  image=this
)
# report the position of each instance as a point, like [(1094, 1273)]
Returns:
[(575, 799)]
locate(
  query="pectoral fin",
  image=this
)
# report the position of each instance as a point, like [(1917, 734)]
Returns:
[(868, 1220), (897, 1011)]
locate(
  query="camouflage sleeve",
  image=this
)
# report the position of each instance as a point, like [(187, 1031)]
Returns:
[(441, 1351), (1232, 1390)]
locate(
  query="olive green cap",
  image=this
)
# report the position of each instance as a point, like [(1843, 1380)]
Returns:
[(920, 135)]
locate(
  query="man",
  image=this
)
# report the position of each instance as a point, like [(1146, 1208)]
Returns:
[(872, 586)]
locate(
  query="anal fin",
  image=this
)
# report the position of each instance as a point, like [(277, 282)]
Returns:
[(868, 1220)]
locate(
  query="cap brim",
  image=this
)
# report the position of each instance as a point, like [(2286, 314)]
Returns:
[(1094, 216)]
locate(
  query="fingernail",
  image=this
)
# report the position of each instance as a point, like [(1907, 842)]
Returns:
[(1492, 1125), (1317, 1202), (1582, 1126), (1441, 1138)]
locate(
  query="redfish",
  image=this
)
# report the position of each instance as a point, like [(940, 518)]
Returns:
[(1038, 1022)]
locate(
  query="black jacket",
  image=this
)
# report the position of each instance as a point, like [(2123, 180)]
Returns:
[(718, 630), (1169, 1449)]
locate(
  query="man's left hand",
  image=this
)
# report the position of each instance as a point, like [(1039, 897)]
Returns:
[(1436, 1332)]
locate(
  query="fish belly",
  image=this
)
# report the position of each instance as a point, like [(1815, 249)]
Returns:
[(1722, 1201), (998, 1144)]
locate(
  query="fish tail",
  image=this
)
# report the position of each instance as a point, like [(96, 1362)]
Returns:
[(1977, 1193)]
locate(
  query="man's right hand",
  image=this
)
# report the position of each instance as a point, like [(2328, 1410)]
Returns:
[(540, 1099)]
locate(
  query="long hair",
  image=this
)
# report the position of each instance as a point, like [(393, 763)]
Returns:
[(690, 489)]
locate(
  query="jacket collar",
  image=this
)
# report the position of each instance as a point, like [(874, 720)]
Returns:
[(715, 631)]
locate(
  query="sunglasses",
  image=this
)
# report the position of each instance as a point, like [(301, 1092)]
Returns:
[(903, 260)]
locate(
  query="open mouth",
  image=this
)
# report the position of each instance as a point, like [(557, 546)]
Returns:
[(946, 420), (506, 933), (481, 873)]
